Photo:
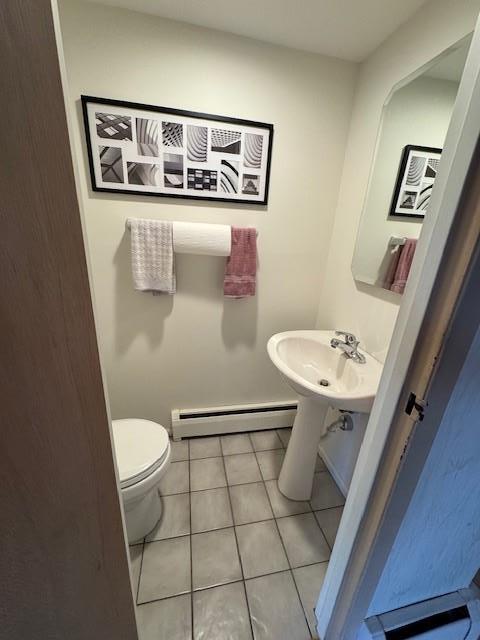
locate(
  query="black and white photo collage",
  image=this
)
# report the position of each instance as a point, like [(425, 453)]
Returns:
[(418, 171), (162, 154)]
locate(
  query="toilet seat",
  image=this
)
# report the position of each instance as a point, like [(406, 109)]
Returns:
[(141, 447)]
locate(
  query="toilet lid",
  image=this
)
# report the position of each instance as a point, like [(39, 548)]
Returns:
[(140, 447)]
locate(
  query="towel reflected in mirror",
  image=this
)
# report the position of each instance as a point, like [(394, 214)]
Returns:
[(400, 265)]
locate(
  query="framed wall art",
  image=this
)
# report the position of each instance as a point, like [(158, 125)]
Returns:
[(154, 151), (416, 176)]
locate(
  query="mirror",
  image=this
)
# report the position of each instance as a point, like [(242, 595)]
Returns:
[(414, 124)]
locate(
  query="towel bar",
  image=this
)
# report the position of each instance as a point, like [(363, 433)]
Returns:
[(127, 226)]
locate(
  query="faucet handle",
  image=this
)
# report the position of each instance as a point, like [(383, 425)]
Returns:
[(349, 337)]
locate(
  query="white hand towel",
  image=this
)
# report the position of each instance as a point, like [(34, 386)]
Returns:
[(153, 267), (202, 239)]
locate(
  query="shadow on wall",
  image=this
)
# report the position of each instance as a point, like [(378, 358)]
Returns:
[(240, 319), (199, 279), (239, 322), (136, 313), (378, 292)]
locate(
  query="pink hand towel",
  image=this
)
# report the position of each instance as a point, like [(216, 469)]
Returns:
[(403, 267), (241, 267), (392, 268)]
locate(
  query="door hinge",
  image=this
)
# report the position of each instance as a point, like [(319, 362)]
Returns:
[(414, 403)]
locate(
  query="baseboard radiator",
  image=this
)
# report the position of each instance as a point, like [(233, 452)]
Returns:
[(455, 616), (187, 423)]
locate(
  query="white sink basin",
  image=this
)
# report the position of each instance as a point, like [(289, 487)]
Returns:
[(305, 358), (324, 377)]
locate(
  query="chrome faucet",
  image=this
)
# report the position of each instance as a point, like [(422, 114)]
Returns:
[(348, 346)]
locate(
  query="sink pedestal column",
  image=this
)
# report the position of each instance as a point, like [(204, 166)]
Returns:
[(296, 476)]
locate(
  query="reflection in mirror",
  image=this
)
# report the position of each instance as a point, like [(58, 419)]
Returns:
[(414, 124)]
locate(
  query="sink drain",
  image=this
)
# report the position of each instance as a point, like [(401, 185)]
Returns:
[(324, 383)]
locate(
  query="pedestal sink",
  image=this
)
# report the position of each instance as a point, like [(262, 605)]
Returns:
[(323, 377)]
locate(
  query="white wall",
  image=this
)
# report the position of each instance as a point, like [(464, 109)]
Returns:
[(197, 349), (339, 449), (344, 304), (417, 114), (370, 312)]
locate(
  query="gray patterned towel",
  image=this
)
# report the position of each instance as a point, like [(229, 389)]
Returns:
[(153, 266)]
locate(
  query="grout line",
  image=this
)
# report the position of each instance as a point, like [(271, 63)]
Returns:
[(188, 451), (323, 532), (334, 506), (246, 524), (182, 493), (287, 515), (265, 575), (323, 535), (288, 559), (224, 584), (240, 484), (329, 508), (283, 444), (318, 510), (212, 489), (238, 548), (166, 495), (222, 486), (191, 552), (175, 595), (234, 526), (206, 457), (246, 453), (248, 607), (239, 453), (230, 526), (235, 453), (184, 535), (186, 593), (137, 590)]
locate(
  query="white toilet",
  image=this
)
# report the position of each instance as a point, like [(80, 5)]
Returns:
[(142, 449)]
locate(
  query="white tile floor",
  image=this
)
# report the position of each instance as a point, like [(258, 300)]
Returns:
[(232, 558)]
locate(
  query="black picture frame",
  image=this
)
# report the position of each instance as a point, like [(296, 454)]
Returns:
[(94, 157), (414, 183)]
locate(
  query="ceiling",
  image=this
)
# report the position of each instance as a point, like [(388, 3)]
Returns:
[(348, 29)]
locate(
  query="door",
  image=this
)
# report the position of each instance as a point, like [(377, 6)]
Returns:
[(63, 557), (444, 257)]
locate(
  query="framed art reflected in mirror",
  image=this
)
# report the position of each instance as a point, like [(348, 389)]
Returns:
[(417, 113), (416, 176)]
